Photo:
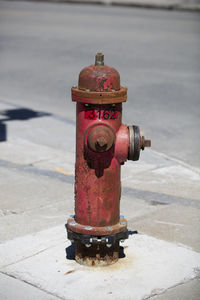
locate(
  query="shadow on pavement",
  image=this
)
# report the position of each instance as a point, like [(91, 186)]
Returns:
[(70, 252), (20, 114)]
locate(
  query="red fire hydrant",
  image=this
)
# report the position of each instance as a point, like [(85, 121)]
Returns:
[(103, 144)]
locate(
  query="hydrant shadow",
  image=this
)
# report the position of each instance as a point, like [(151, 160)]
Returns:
[(121, 252), (98, 161), (70, 250)]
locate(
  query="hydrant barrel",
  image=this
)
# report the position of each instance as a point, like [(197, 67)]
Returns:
[(103, 144), (97, 170)]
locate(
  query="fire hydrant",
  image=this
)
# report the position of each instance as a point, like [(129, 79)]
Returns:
[(103, 144)]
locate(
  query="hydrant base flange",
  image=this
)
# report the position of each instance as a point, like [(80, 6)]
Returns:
[(96, 230), (92, 239)]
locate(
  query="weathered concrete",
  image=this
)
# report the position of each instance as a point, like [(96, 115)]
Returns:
[(12, 289), (150, 266), (181, 292)]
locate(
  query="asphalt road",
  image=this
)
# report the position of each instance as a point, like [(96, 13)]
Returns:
[(44, 46)]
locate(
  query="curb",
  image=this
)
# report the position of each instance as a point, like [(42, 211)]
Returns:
[(180, 5)]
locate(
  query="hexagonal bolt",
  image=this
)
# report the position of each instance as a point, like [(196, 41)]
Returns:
[(101, 144)]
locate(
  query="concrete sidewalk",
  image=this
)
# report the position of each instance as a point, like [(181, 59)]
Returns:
[(44, 46), (160, 199)]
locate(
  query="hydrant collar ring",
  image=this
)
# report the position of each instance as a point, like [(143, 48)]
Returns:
[(112, 97)]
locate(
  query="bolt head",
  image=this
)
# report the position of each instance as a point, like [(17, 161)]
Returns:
[(123, 223), (88, 227), (109, 228), (101, 144), (72, 223)]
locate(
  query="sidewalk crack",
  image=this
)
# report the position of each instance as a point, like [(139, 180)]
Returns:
[(162, 291), (33, 285)]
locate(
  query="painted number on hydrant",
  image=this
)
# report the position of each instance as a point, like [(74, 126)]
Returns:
[(105, 114)]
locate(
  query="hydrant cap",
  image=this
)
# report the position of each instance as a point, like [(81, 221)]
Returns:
[(99, 77)]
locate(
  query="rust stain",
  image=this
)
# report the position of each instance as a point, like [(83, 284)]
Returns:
[(97, 254)]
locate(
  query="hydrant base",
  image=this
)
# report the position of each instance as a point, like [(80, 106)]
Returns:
[(97, 254)]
